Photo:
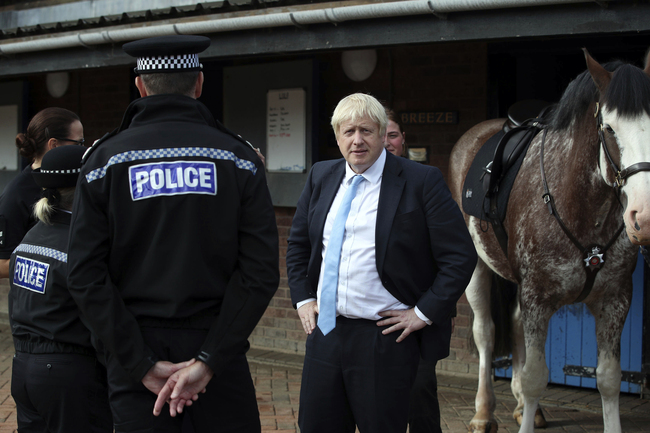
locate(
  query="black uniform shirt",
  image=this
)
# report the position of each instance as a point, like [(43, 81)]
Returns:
[(16, 216), (173, 226), (44, 318)]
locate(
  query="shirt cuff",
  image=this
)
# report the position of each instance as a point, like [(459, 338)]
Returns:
[(422, 316), (306, 301)]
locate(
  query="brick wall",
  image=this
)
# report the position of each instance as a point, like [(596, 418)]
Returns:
[(442, 77), (280, 329), (439, 77), (98, 96)]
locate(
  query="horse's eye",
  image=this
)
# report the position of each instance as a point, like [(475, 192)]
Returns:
[(609, 129)]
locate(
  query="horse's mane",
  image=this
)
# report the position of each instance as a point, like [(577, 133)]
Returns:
[(628, 93)]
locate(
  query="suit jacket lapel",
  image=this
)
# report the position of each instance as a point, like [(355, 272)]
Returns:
[(390, 194), (330, 183)]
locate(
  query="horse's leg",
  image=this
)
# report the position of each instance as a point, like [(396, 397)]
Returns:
[(610, 317), (534, 375), (478, 295), (608, 379), (518, 360)]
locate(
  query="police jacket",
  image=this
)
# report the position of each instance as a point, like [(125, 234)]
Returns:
[(173, 226), (16, 216), (44, 318)]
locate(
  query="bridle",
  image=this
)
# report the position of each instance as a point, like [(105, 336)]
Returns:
[(594, 254), (621, 175)]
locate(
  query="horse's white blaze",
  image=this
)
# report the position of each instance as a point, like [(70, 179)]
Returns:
[(632, 137)]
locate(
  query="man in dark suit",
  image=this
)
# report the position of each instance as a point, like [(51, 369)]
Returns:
[(403, 260)]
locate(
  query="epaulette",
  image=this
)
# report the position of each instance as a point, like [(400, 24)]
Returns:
[(96, 144), (236, 136)]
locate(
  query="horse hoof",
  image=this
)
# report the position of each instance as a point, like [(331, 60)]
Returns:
[(540, 421), (489, 427)]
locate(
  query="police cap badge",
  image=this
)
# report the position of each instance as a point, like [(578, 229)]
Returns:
[(163, 54), (60, 167)]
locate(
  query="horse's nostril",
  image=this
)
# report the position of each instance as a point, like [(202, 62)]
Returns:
[(637, 227)]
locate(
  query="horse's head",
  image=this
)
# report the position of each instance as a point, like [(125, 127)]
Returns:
[(624, 113)]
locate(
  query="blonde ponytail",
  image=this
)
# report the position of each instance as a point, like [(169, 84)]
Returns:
[(44, 208)]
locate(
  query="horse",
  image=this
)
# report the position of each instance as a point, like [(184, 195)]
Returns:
[(582, 181)]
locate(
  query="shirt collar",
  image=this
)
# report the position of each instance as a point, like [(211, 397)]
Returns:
[(372, 175)]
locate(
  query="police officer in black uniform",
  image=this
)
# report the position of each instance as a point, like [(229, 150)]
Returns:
[(57, 383), (49, 128), (174, 252)]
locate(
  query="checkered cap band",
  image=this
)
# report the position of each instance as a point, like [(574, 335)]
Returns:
[(166, 63), (66, 171), (42, 251), (199, 152)]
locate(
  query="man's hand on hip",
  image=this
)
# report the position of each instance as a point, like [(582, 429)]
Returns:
[(401, 319)]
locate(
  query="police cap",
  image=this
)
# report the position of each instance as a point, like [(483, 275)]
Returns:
[(60, 167), (162, 54)]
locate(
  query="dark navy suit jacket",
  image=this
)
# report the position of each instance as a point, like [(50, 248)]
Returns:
[(425, 256)]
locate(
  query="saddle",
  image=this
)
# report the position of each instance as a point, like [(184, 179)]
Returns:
[(495, 167)]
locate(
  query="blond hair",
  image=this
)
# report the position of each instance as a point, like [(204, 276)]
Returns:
[(43, 209), (356, 106)]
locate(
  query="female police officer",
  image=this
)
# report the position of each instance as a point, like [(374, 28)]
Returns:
[(57, 383), (49, 128)]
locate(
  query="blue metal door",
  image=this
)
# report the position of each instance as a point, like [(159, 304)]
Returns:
[(572, 341)]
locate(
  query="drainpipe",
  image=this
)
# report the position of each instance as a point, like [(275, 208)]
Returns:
[(300, 18)]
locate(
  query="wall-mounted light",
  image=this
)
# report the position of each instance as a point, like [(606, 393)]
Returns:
[(57, 83), (359, 64)]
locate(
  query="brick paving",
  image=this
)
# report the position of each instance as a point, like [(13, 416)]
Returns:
[(7, 405), (277, 381), (457, 409), (567, 409), (277, 389)]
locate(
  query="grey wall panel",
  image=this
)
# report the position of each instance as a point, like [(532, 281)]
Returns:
[(244, 112)]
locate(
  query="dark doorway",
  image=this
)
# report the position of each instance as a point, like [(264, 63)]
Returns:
[(542, 69)]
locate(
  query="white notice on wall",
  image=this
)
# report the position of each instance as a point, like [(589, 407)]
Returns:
[(286, 130), (8, 131)]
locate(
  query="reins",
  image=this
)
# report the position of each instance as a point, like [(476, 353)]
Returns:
[(594, 254)]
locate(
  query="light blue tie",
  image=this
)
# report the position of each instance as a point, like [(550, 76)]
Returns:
[(327, 311)]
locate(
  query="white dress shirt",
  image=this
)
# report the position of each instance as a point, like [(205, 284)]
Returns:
[(360, 293)]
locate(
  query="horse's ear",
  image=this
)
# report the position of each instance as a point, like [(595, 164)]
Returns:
[(599, 74)]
